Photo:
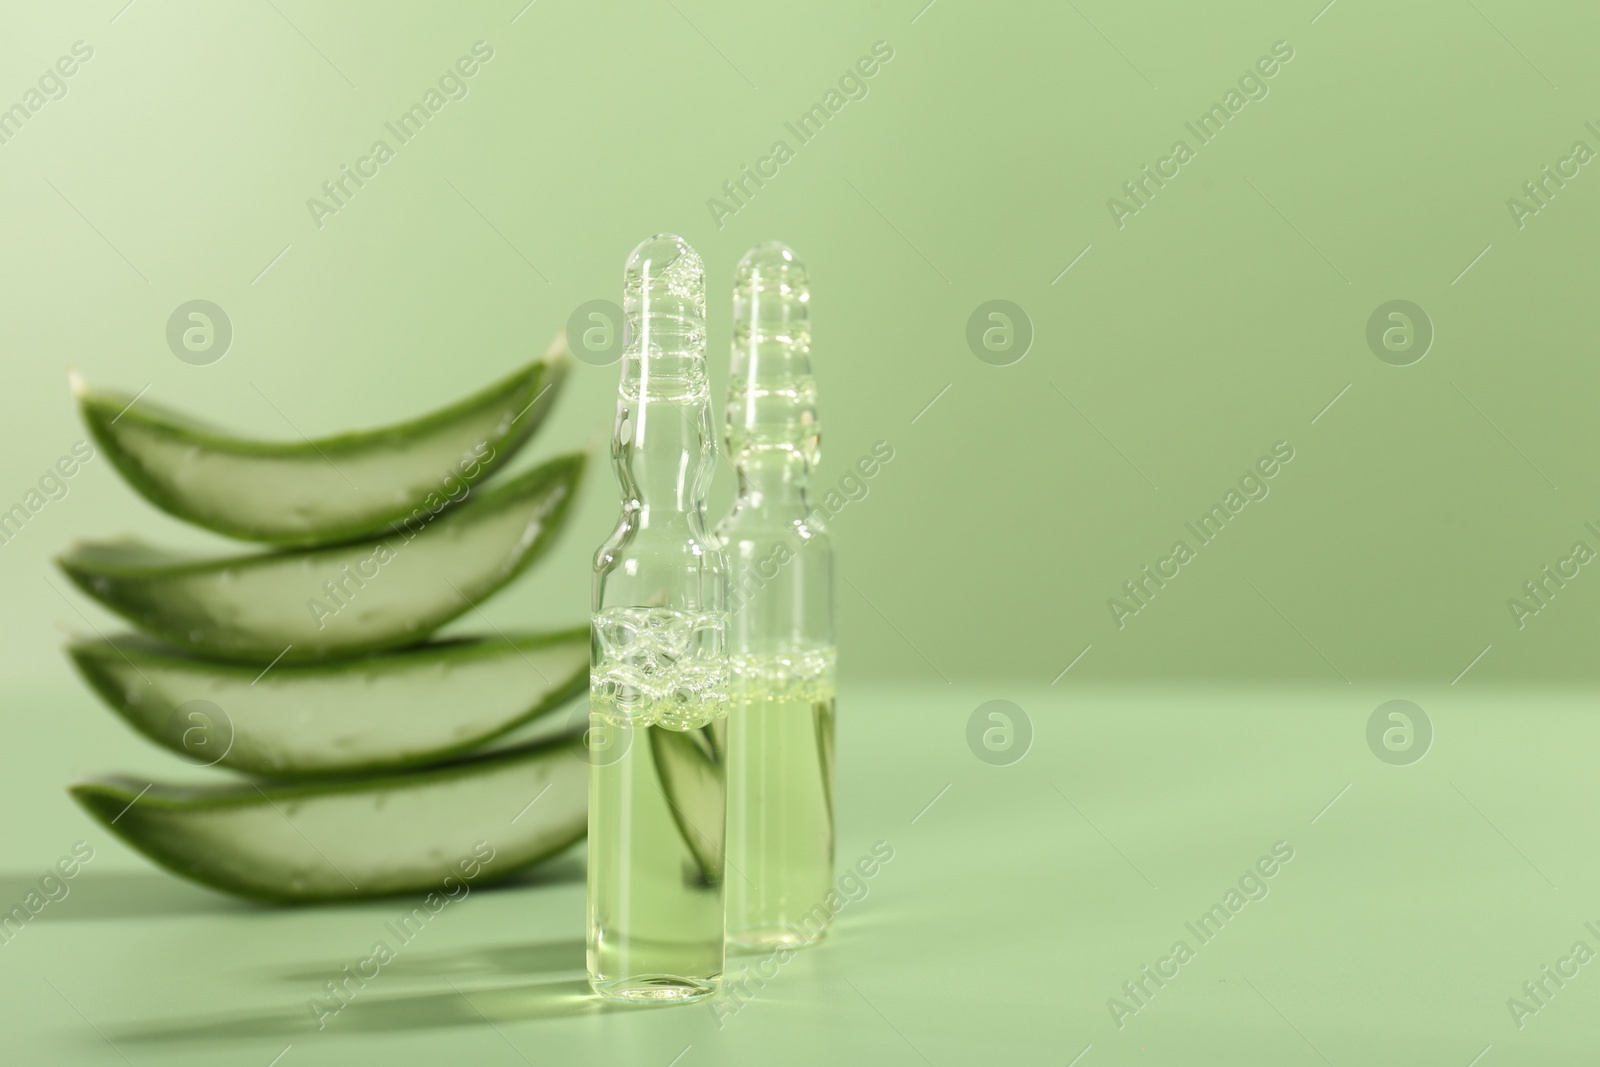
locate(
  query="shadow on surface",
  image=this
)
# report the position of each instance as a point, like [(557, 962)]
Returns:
[(369, 1012), (125, 895), (552, 985), (490, 961), (149, 894)]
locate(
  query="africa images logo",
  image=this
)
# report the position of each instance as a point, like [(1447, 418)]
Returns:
[(853, 86), (1252, 86), (453, 85)]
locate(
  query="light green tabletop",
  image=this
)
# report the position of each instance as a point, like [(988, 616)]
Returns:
[(1417, 900)]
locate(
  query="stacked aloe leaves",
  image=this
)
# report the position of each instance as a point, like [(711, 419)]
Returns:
[(375, 757)]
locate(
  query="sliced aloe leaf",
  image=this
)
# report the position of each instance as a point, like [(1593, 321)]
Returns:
[(355, 837), (824, 728), (314, 603), (417, 706), (689, 764), (314, 492)]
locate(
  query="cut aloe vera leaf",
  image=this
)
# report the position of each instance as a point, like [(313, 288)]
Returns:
[(413, 707), (823, 724), (301, 605), (355, 837), (689, 764), (314, 492)]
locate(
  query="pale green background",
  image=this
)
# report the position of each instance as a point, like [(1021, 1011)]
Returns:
[(1223, 318), (1197, 336)]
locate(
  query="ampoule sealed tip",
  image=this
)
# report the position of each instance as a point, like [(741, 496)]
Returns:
[(772, 397), (664, 295)]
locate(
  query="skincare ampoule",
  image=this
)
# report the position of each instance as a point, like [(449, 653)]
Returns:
[(659, 675), (780, 728)]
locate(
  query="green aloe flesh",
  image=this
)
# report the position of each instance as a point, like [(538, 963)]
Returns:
[(302, 605), (355, 837), (413, 707), (689, 764), (314, 492)]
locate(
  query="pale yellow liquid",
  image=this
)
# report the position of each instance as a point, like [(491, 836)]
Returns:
[(780, 819), (655, 911)]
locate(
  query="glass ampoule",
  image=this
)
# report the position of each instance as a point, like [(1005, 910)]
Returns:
[(660, 673), (780, 727)]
